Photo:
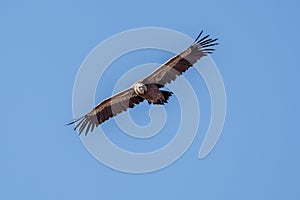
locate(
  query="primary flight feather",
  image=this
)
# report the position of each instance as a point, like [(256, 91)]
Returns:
[(147, 88)]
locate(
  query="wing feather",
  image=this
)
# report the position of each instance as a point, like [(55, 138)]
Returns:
[(178, 64), (107, 109)]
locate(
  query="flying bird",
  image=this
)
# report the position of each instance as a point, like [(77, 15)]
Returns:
[(148, 88)]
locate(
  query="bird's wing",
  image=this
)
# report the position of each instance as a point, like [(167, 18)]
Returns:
[(106, 109), (178, 64)]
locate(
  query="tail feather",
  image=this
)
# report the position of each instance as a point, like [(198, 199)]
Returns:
[(167, 95)]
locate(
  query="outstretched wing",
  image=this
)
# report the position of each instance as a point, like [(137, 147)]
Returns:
[(178, 64), (107, 109)]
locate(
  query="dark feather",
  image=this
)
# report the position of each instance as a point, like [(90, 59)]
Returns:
[(177, 65), (198, 36), (107, 109)]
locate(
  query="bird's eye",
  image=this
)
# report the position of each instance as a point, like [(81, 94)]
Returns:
[(141, 88)]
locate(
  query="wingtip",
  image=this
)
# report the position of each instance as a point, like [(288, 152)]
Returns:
[(70, 123), (73, 122), (204, 39), (198, 36)]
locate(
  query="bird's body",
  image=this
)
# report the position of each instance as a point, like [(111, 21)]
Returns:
[(149, 88), (153, 94)]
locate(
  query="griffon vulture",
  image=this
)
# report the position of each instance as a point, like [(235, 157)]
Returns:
[(147, 88)]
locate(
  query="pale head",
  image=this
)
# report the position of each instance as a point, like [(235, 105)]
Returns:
[(139, 88)]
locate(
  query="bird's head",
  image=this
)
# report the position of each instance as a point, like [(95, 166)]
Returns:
[(140, 88)]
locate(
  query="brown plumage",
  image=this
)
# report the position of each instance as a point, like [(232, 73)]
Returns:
[(148, 88)]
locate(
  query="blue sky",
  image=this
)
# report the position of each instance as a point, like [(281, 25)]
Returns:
[(42, 47)]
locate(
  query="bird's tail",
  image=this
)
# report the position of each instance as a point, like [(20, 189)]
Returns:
[(164, 100), (167, 95)]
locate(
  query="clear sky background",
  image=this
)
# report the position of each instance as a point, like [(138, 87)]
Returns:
[(42, 46)]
